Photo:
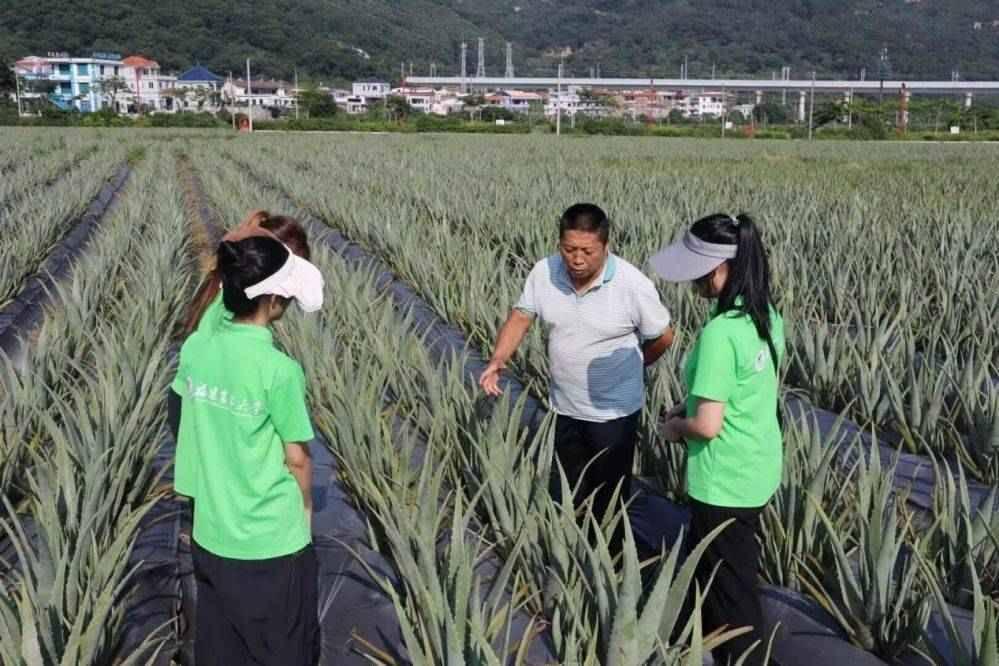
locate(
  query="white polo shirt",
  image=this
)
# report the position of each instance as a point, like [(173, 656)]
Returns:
[(595, 338)]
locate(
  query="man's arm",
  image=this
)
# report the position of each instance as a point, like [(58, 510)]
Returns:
[(510, 336), (652, 350), (299, 462)]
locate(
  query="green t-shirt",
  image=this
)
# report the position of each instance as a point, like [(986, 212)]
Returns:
[(242, 401), (741, 467), (211, 321), (214, 316)]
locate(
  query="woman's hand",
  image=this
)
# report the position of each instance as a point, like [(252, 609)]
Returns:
[(247, 231), (249, 227), (677, 410), (672, 429)]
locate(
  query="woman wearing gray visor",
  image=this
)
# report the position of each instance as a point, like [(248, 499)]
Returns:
[(729, 421)]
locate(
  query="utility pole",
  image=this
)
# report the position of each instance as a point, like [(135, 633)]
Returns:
[(509, 60), (480, 71), (464, 67), (232, 100), (249, 95), (811, 107), (297, 93), (17, 89), (712, 71), (558, 103), (882, 71), (724, 108)]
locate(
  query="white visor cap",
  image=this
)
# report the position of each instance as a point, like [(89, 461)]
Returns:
[(298, 279)]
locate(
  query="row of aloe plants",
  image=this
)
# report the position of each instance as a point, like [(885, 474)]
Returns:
[(824, 545), (20, 147), (37, 220), (909, 348), (32, 169), (82, 424)]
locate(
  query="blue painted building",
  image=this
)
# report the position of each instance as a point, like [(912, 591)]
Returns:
[(70, 82)]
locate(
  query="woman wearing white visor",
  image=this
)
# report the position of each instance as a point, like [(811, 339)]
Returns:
[(729, 421), (245, 427)]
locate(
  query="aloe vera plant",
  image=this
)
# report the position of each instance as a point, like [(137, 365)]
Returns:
[(962, 543), (793, 536), (981, 648), (874, 589)]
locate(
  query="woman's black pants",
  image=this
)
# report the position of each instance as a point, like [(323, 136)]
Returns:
[(733, 600), (257, 612)]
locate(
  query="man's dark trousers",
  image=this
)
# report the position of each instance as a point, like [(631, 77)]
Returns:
[(609, 450)]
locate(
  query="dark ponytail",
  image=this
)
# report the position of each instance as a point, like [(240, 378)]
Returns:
[(244, 263), (749, 271)]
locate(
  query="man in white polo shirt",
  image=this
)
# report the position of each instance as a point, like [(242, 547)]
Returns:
[(604, 323)]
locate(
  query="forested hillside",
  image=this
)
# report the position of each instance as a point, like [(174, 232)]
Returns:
[(354, 38)]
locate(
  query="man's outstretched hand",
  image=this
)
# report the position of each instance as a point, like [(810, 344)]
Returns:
[(489, 379)]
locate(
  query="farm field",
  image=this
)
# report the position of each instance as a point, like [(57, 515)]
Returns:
[(884, 533)]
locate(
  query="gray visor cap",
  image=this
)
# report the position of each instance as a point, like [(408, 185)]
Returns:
[(690, 258)]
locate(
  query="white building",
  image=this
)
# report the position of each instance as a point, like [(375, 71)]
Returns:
[(263, 93), (702, 105), (340, 96), (446, 105), (515, 100), (420, 99), (371, 89), (149, 90), (570, 103)]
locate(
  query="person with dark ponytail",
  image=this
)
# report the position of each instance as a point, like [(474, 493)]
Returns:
[(206, 307), (730, 420), (243, 439), (207, 312)]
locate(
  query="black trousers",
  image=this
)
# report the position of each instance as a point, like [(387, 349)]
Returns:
[(259, 612), (733, 599), (611, 448)]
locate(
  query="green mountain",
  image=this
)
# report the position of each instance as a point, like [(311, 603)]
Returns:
[(345, 39)]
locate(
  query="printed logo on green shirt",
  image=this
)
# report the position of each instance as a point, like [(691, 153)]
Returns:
[(222, 398)]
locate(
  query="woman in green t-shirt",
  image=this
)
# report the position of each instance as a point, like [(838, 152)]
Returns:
[(244, 434), (730, 420), (207, 311)]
